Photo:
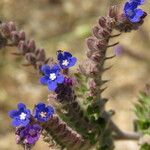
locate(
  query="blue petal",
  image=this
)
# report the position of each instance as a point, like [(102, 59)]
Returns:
[(67, 55), (72, 61), (46, 69), (28, 113), (40, 106), (24, 122), (60, 79), (127, 6), (130, 6), (44, 80), (52, 85), (21, 106), (140, 2), (60, 56), (55, 69), (13, 113), (15, 122), (138, 14), (50, 110)]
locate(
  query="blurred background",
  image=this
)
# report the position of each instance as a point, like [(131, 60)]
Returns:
[(64, 24)]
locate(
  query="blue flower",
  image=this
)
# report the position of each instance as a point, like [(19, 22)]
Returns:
[(132, 13), (66, 60), (42, 112), (21, 117), (52, 76), (139, 2)]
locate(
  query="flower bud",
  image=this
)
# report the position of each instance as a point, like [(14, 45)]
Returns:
[(101, 45), (31, 45), (91, 43), (15, 37), (40, 54), (23, 47), (96, 32), (113, 11), (5, 30), (102, 22), (30, 57), (22, 35), (111, 23), (12, 26), (104, 33)]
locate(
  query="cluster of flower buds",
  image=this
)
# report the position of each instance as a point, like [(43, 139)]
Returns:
[(10, 36), (97, 46), (63, 134), (29, 125), (131, 18)]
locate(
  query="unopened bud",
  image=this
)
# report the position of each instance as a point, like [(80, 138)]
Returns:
[(12, 26), (30, 57), (5, 30), (105, 33), (40, 54), (15, 37), (102, 22), (91, 43), (23, 47), (31, 45), (22, 35), (113, 11), (101, 44)]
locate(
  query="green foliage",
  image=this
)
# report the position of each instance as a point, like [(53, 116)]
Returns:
[(145, 147), (142, 110)]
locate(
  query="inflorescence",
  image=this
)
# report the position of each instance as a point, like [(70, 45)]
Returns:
[(53, 74), (29, 125)]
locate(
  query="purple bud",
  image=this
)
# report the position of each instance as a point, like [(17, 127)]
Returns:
[(102, 22), (15, 37), (105, 33), (40, 54), (91, 43), (5, 29), (113, 11), (96, 32), (31, 45), (12, 26), (111, 23), (23, 47), (22, 35), (30, 57), (68, 81), (101, 44)]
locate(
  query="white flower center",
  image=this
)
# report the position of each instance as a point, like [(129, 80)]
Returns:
[(52, 76), (23, 116), (43, 114), (65, 62)]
